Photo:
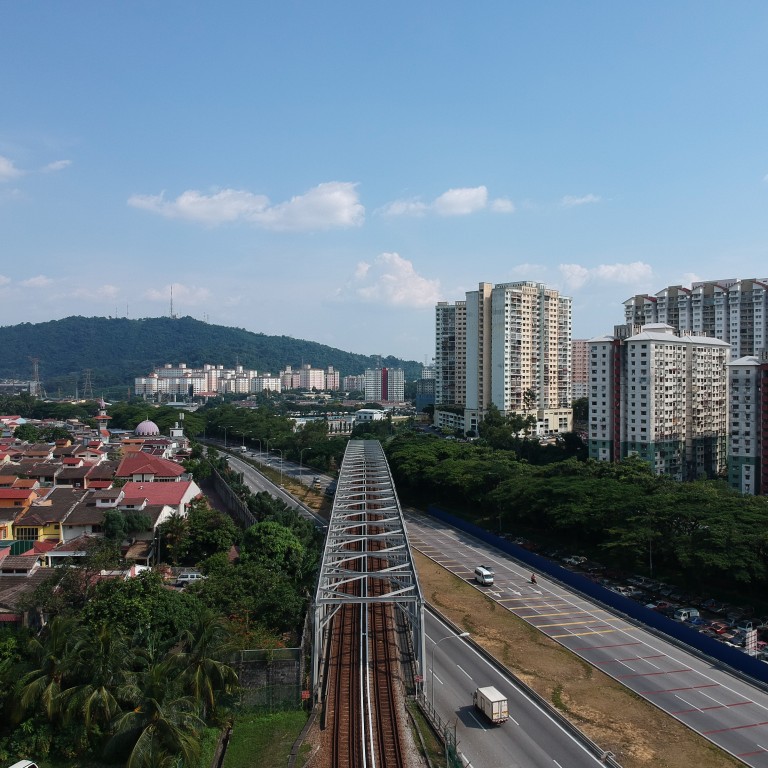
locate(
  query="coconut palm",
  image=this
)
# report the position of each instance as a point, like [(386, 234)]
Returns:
[(202, 673), (102, 663), (162, 727), (51, 652)]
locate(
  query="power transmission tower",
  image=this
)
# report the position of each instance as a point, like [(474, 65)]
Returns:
[(37, 385), (87, 385)]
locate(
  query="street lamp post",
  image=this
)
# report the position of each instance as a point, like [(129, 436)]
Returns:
[(259, 442), (432, 662), (281, 464), (225, 437), (301, 466)]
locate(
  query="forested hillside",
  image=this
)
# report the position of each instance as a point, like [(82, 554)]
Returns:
[(116, 350)]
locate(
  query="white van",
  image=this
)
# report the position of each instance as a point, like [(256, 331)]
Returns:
[(24, 764), (483, 576)]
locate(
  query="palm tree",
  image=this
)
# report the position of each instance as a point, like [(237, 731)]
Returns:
[(162, 727), (203, 675), (102, 663), (52, 655)]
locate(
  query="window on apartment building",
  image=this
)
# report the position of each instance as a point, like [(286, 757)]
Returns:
[(26, 534)]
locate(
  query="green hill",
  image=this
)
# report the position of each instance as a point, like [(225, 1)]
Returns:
[(116, 350)]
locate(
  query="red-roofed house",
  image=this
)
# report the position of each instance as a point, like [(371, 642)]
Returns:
[(177, 495), (140, 467)]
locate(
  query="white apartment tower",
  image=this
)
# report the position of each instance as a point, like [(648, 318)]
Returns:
[(731, 310), (661, 397), (385, 385), (530, 347), (501, 344)]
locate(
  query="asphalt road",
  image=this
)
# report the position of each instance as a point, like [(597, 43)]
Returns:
[(531, 738), (725, 709), (258, 482)]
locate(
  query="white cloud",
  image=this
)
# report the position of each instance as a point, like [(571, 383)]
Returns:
[(57, 165), (576, 276), (392, 280), (40, 281), (569, 201), (183, 294), (334, 204), (411, 207), (460, 201), (502, 205), (8, 170), (4, 280)]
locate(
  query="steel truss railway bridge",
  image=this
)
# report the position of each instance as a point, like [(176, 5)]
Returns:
[(367, 557)]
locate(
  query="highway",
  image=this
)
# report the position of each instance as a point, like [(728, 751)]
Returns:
[(531, 738), (258, 483), (723, 708)]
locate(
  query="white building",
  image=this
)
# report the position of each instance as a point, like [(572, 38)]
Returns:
[(510, 345), (732, 310), (385, 385), (662, 397)]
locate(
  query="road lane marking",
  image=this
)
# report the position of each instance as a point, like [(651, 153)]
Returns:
[(465, 672), (582, 634)]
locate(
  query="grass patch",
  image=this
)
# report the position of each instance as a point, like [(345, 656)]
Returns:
[(433, 745), (263, 740), (557, 698), (208, 741)]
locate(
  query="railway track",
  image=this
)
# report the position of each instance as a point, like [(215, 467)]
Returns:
[(361, 701)]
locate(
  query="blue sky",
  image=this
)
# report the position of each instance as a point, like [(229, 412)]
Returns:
[(331, 170)]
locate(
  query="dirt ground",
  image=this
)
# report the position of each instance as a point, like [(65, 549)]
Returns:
[(638, 734)]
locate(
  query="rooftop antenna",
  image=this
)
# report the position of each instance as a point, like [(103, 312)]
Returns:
[(172, 315)]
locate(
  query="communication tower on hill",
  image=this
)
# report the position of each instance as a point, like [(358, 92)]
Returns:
[(87, 385), (37, 385)]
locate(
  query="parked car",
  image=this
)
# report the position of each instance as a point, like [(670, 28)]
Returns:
[(188, 577)]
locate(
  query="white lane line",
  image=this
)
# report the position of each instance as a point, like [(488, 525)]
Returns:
[(465, 672), (437, 678), (712, 698), (688, 703)]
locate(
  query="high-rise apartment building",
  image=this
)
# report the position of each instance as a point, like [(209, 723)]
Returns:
[(450, 353), (579, 368), (530, 347), (508, 344), (662, 397), (748, 441), (385, 385), (731, 310)]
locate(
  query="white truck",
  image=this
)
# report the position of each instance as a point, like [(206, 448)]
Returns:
[(492, 704)]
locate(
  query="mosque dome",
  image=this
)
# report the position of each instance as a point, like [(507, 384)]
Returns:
[(147, 428)]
